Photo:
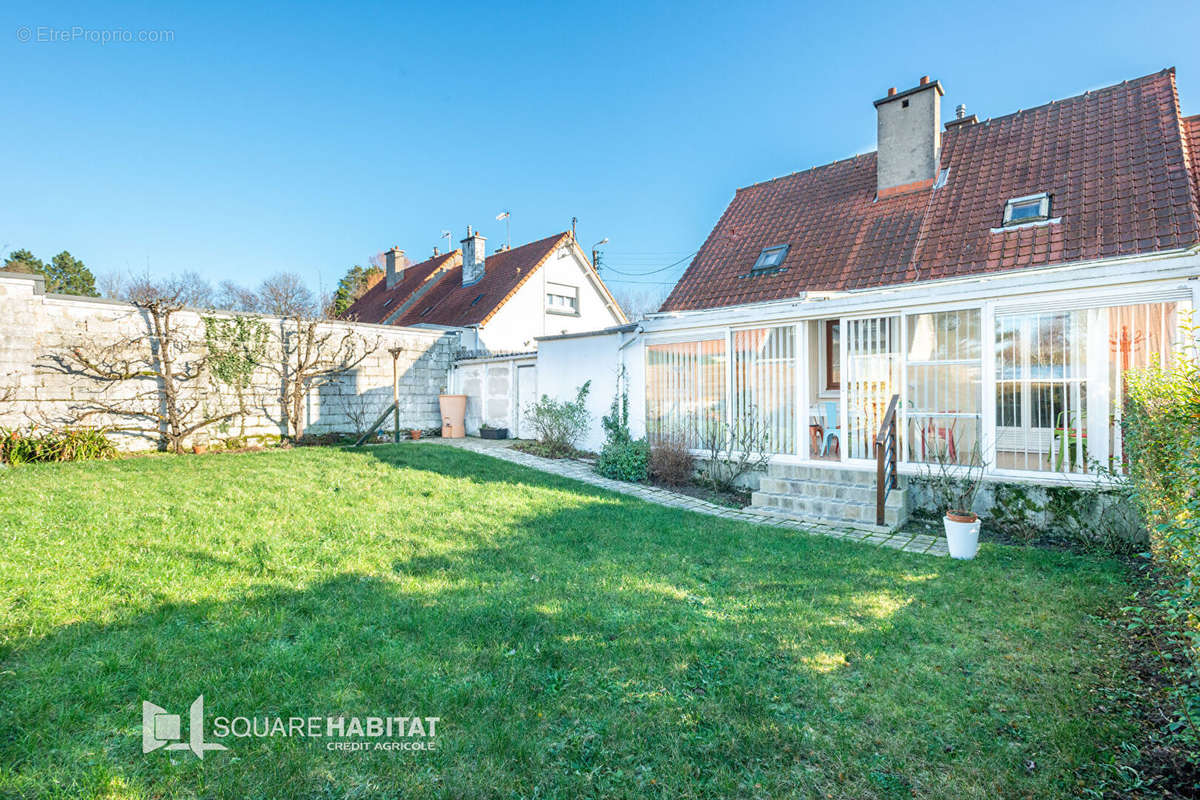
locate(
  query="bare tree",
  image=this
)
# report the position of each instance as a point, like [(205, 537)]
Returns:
[(312, 353), (285, 295), (112, 285), (637, 303), (232, 297), (152, 379)]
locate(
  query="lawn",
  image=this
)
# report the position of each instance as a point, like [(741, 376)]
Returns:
[(572, 642)]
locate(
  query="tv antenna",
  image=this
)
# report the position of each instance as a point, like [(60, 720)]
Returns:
[(504, 215)]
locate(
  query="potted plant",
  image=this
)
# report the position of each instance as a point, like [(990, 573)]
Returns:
[(954, 483), (489, 432)]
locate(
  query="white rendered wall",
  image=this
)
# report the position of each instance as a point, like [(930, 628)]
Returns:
[(525, 316)]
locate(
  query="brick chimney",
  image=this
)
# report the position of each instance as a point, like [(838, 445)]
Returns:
[(396, 262), (909, 138), (472, 257)]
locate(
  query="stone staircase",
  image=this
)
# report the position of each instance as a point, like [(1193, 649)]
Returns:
[(833, 496)]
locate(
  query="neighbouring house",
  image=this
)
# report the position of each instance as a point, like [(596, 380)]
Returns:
[(502, 301), (498, 304), (991, 281)]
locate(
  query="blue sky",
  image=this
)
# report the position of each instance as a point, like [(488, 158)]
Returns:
[(276, 137)]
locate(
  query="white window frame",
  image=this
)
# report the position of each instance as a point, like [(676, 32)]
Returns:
[(1043, 201), (567, 292)]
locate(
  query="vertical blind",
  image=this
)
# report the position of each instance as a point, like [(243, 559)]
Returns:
[(1139, 337), (763, 364), (685, 389), (872, 377)]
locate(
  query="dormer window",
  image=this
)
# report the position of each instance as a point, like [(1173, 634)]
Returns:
[(1023, 210), (770, 258)]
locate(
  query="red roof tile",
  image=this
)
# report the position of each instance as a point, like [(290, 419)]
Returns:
[(451, 303), (379, 302), (1113, 161), (1191, 130)]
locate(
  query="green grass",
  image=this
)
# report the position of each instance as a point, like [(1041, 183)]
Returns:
[(573, 642)]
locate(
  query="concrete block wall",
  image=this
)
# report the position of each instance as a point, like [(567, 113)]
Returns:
[(35, 326)]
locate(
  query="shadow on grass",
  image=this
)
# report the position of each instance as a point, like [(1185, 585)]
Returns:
[(610, 648)]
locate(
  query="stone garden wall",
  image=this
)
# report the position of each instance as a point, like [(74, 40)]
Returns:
[(35, 327)]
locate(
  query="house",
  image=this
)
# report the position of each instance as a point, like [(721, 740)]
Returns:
[(972, 287), (502, 301)]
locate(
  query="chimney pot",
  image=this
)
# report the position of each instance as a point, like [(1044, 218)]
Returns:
[(924, 79), (961, 111), (891, 91)]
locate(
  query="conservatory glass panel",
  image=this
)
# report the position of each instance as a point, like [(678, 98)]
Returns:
[(872, 377), (1041, 391), (685, 389), (1139, 337), (943, 394), (763, 369)]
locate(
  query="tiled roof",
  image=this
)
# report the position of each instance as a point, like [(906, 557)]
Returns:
[(1113, 161), (379, 302), (450, 303), (1191, 130)]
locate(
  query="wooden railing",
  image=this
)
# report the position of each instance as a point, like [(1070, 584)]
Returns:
[(885, 459)]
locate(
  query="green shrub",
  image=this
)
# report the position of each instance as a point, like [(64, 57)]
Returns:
[(1161, 427), (558, 426), (622, 458), (624, 461), (79, 444)]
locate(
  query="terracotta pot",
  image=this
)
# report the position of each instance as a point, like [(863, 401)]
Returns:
[(200, 449), (414, 434), (454, 414)]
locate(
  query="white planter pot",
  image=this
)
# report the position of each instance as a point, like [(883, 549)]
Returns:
[(962, 538)]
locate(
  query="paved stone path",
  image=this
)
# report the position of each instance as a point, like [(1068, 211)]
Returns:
[(581, 471)]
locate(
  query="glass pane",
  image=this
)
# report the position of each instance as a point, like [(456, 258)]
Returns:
[(872, 373), (1041, 391), (1139, 337), (685, 386), (943, 394), (763, 367)]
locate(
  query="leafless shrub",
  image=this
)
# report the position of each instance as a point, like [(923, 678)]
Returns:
[(671, 461), (733, 450)]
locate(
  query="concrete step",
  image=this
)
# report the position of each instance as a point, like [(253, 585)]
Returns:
[(849, 492), (831, 509), (831, 474)]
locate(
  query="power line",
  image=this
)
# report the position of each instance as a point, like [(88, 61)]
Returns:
[(653, 271)]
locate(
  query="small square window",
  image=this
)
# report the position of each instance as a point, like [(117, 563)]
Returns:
[(1023, 210), (771, 257), (562, 299)]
